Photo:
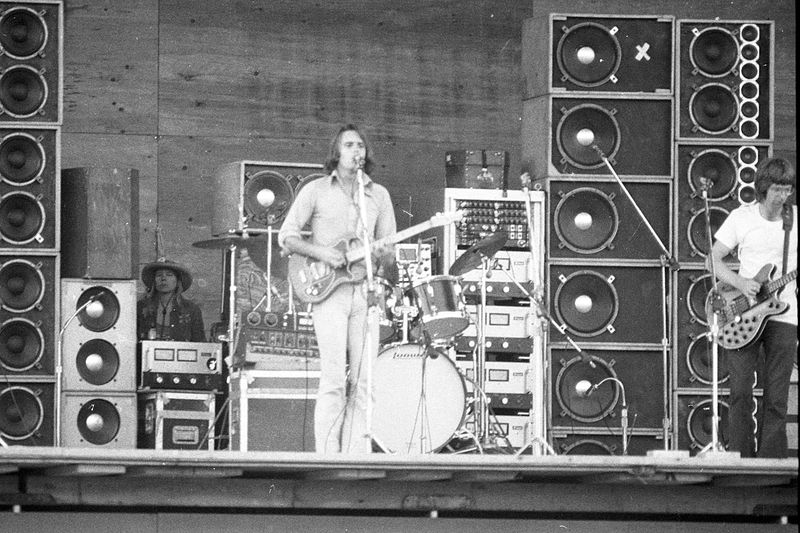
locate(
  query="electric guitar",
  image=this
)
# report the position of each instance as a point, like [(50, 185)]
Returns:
[(313, 280), (741, 320)]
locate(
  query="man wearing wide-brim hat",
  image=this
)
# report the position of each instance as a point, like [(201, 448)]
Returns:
[(164, 313)]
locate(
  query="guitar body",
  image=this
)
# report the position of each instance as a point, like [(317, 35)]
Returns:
[(742, 321), (313, 280)]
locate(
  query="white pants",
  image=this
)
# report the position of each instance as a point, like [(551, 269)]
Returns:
[(340, 415)]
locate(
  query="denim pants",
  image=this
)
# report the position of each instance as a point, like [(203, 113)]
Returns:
[(779, 340), (340, 322)]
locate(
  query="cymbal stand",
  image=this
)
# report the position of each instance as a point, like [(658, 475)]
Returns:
[(668, 262), (479, 405), (714, 447)]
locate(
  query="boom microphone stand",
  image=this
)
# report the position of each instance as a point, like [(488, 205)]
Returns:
[(668, 262)]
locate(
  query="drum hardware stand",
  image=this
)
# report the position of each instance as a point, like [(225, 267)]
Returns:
[(715, 447), (668, 262)]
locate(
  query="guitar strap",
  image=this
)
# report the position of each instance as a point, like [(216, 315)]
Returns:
[(788, 219)]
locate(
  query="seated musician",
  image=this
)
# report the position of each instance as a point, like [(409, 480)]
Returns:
[(163, 313)]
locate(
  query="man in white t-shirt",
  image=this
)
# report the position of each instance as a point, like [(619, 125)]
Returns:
[(757, 233)]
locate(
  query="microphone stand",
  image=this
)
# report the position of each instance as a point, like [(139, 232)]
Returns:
[(372, 310), (715, 447), (668, 262), (624, 412)]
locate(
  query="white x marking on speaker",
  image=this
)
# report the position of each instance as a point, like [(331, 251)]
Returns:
[(642, 52)]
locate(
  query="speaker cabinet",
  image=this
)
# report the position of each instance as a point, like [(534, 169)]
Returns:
[(694, 414), (727, 173), (100, 223), (254, 195), (606, 304), (641, 374), (725, 79), (28, 300), (596, 220), (571, 135), (27, 413), (31, 62), (99, 342), (607, 443), (597, 53), (29, 187), (98, 420)]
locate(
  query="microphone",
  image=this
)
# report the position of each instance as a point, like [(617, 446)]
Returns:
[(359, 161), (525, 180), (599, 151), (584, 388), (705, 183)]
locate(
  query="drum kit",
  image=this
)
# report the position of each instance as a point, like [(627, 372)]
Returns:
[(420, 398)]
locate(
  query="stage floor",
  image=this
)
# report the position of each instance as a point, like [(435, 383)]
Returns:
[(666, 486)]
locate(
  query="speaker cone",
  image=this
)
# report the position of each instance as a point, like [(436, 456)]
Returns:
[(582, 407), (582, 130), (22, 159), (716, 166), (21, 412), (747, 194), (23, 91), (101, 309), (587, 447), (22, 218), (21, 344), (700, 419), (748, 155), (98, 421), (696, 231), (586, 220), (589, 54), (21, 285), (97, 361), (267, 197), (699, 361), (713, 108), (713, 52), (696, 296), (586, 303), (23, 33)]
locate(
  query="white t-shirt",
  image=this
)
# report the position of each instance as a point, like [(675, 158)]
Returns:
[(759, 242)]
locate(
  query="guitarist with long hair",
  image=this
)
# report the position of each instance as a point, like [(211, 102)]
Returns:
[(330, 205), (762, 234)]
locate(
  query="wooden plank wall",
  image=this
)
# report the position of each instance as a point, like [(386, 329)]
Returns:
[(176, 88)]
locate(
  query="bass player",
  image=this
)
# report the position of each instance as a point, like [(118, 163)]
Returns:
[(762, 233), (331, 206)]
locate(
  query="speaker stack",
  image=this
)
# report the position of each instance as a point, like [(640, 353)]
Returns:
[(606, 91), (31, 44), (723, 130), (276, 357), (99, 264)]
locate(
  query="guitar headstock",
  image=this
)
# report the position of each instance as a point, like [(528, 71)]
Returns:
[(450, 217)]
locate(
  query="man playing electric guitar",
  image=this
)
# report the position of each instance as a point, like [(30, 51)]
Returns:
[(758, 232), (331, 206)]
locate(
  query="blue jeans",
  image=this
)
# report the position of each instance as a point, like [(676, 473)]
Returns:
[(340, 322), (779, 341)]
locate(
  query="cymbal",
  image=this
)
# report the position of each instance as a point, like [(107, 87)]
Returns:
[(473, 256), (226, 241)]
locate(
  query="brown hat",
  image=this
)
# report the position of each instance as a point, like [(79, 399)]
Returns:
[(149, 272)]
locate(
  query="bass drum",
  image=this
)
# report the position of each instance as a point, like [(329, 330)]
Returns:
[(420, 401)]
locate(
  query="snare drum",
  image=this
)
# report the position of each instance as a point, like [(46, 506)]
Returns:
[(442, 312), (420, 401)]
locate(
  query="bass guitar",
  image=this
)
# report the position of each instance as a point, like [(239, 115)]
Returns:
[(742, 320), (313, 280)]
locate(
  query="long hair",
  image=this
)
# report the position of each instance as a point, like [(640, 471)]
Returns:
[(777, 171), (152, 298), (334, 155)]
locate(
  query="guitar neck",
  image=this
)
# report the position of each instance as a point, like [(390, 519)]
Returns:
[(779, 283), (358, 254)]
